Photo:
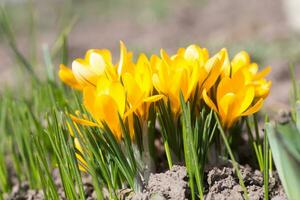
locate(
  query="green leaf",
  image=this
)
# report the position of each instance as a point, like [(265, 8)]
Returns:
[(284, 143), (190, 154), (290, 138)]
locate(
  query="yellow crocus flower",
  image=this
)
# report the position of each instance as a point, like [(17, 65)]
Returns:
[(103, 92), (185, 70), (234, 99), (180, 72), (208, 69), (256, 78), (88, 70), (106, 102), (173, 76), (85, 72), (196, 58), (211, 71), (139, 87)]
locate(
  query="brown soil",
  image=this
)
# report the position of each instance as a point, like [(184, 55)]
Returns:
[(221, 183), (173, 184)]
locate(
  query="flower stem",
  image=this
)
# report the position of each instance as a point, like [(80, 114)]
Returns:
[(168, 153), (234, 163), (148, 161)]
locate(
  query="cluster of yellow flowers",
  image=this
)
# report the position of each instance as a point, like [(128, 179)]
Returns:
[(231, 88)]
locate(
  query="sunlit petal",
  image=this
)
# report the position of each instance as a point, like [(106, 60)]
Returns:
[(208, 101), (82, 121), (66, 75), (254, 108)]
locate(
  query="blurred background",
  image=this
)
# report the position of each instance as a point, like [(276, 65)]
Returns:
[(268, 29)]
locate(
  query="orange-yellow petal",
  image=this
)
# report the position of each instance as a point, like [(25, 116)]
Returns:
[(262, 73), (82, 121), (208, 101), (117, 92), (123, 57), (66, 75), (240, 60), (213, 74), (107, 111), (254, 109), (224, 59), (133, 91), (83, 73), (244, 99), (153, 98), (262, 88), (225, 107), (89, 98)]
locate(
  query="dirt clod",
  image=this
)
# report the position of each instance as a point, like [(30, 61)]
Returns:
[(224, 184), (22, 192), (173, 184)]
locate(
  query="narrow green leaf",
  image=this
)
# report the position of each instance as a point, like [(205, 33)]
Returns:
[(287, 165)]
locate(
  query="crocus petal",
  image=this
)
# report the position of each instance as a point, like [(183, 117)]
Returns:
[(82, 121), (262, 88), (104, 53), (70, 129), (239, 80), (253, 68), (107, 111), (180, 51), (103, 85), (97, 63), (193, 53), (82, 162), (155, 61), (157, 83), (224, 59), (254, 108), (262, 73), (117, 92), (193, 79), (143, 74), (66, 75), (208, 101), (165, 56), (133, 91), (213, 74), (225, 105), (123, 56), (83, 74), (77, 145), (211, 63), (225, 86), (82, 165), (244, 99), (153, 98), (89, 98), (240, 60)]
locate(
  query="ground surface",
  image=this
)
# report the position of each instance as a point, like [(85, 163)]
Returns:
[(222, 183)]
